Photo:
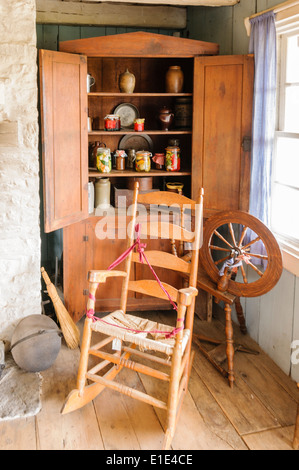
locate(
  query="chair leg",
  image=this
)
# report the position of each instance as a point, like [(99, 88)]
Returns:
[(173, 396), (76, 398), (229, 344), (83, 364)]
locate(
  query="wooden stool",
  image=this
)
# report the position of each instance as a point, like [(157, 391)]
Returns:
[(296, 434)]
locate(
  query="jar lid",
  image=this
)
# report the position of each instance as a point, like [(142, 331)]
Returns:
[(102, 180), (120, 153), (174, 142), (143, 153), (112, 116)]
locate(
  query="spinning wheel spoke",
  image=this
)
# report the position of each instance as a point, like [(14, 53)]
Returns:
[(218, 248), (255, 255), (255, 268), (222, 238), (251, 243), (222, 259), (231, 230), (243, 274), (242, 236)]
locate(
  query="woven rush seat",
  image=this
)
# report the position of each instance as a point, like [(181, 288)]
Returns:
[(147, 335)]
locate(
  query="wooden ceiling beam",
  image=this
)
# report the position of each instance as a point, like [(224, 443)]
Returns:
[(109, 14), (183, 3)]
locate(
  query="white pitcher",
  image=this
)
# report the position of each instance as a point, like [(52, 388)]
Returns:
[(90, 81)]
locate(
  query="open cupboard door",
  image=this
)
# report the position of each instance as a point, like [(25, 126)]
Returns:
[(223, 95), (63, 99)]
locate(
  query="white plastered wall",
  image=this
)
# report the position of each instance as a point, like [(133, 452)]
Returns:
[(20, 285)]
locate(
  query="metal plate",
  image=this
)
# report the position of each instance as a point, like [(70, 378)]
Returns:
[(136, 142), (127, 113)]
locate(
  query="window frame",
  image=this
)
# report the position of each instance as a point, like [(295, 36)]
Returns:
[(286, 28)]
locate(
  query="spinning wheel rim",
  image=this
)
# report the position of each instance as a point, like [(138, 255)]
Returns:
[(273, 271)]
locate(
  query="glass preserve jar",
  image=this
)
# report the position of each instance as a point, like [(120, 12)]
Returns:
[(103, 160), (173, 158), (120, 156), (143, 160), (112, 122)]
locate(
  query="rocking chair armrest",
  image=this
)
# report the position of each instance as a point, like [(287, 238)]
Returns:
[(186, 295), (101, 276)]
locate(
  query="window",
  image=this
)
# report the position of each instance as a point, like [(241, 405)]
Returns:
[(285, 189)]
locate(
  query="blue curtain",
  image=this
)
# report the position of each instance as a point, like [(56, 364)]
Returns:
[(263, 45)]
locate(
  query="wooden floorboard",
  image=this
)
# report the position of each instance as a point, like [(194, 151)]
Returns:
[(257, 414)]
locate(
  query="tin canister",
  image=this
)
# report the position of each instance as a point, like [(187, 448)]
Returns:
[(103, 160), (172, 158), (143, 160), (131, 158)]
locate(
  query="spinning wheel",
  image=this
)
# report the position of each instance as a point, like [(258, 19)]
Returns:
[(225, 234), (225, 253)]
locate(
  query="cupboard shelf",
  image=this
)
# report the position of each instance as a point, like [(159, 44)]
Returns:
[(148, 132), (125, 173), (133, 95)]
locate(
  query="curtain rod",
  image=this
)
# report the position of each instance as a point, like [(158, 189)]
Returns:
[(276, 9)]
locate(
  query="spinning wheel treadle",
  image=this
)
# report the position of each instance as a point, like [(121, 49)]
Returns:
[(225, 234)]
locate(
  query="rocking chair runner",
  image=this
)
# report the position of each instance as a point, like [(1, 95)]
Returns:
[(142, 334)]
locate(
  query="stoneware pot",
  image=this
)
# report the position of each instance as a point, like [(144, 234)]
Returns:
[(127, 82), (174, 79)]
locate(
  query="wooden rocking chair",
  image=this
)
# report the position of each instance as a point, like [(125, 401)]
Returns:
[(145, 337)]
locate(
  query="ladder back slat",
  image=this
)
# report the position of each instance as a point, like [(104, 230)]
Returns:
[(166, 230), (162, 259), (168, 199), (152, 288)]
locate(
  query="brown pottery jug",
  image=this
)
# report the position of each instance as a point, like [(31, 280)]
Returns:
[(127, 82), (165, 118), (174, 79)]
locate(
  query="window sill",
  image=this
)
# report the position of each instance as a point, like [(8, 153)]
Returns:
[(290, 262), (290, 254)]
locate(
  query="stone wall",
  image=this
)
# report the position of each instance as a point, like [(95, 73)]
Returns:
[(20, 285)]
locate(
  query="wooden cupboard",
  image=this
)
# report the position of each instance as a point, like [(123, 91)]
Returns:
[(215, 150)]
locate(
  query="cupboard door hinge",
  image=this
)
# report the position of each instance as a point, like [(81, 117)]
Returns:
[(85, 291), (246, 144), (85, 238)]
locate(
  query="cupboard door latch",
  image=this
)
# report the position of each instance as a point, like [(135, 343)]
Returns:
[(85, 238), (246, 144), (85, 291)]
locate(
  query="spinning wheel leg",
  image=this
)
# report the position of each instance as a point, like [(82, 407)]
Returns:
[(240, 315), (229, 344)]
